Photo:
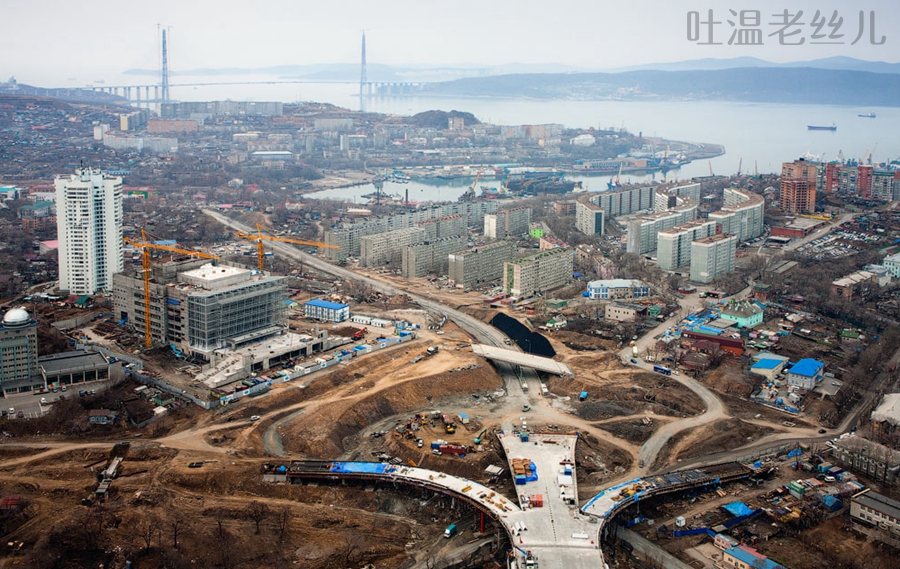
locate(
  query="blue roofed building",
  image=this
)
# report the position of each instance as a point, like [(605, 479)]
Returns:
[(743, 557), (768, 367), (806, 373), (324, 310)]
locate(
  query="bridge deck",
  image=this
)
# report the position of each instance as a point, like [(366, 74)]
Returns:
[(521, 359)]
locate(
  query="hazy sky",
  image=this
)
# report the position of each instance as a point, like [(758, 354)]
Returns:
[(46, 42)]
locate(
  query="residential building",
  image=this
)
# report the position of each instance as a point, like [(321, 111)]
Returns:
[(743, 557), (10, 193), (589, 218), (884, 185), (102, 416), (617, 289), (446, 226), (323, 310), (480, 264), (806, 373), (892, 263), (744, 313), (625, 202), (643, 231), (384, 248), (887, 415), (507, 222), (39, 215), (854, 285), (742, 214), (565, 207), (876, 461), (89, 230), (536, 273), (18, 352), (673, 248), (70, 368), (420, 259), (712, 257), (768, 368), (624, 312), (878, 513), (798, 187)]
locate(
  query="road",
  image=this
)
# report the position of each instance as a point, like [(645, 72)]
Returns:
[(821, 232)]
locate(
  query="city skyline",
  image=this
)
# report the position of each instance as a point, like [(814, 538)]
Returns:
[(577, 35)]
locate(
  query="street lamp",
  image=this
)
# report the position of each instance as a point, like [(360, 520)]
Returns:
[(529, 345)]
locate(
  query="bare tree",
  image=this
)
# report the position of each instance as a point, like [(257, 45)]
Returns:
[(147, 526), (257, 512), (175, 525), (283, 517)]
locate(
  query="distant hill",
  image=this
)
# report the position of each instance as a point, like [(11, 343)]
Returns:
[(708, 64), (751, 84), (438, 119)]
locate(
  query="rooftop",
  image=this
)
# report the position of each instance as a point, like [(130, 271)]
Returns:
[(767, 364), (71, 361), (713, 238), (807, 367), (879, 502), (616, 283), (741, 309), (326, 304), (752, 559), (888, 410), (855, 278)]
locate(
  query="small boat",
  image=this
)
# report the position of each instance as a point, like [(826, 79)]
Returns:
[(869, 115), (814, 127)]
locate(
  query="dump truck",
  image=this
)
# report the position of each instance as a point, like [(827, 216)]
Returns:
[(450, 531), (431, 350)]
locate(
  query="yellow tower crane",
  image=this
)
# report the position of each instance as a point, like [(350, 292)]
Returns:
[(145, 256), (261, 251)]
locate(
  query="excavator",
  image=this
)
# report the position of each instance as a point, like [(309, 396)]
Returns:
[(477, 440)]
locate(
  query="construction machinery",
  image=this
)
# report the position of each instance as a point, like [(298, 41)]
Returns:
[(145, 257), (360, 334), (261, 250), (477, 440)]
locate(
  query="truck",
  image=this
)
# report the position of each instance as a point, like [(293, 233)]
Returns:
[(662, 369), (450, 531), (431, 350)]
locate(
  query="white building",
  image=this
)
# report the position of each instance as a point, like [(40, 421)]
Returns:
[(89, 229), (617, 288), (742, 214), (673, 248), (712, 257)]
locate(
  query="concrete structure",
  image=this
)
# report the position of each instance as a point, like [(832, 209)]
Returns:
[(201, 308), (589, 218), (795, 228), (37, 216), (446, 226), (89, 230), (508, 222), (323, 310), (673, 247), (806, 373), (480, 264), (798, 187), (854, 285), (522, 359), (617, 289), (10, 193), (195, 109), (70, 368), (625, 202), (888, 411), (712, 257), (624, 312), (643, 231), (892, 263), (741, 215), (347, 237), (538, 273), (743, 557), (18, 352), (768, 368), (876, 461), (384, 248), (878, 512), (420, 259), (744, 313), (177, 126)]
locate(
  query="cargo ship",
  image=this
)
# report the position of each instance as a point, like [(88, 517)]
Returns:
[(869, 115), (814, 127)]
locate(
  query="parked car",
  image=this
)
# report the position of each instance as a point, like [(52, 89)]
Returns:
[(254, 418), (20, 415), (63, 388), (43, 400)]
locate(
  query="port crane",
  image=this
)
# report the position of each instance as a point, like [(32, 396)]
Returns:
[(261, 250), (146, 247), (613, 185)]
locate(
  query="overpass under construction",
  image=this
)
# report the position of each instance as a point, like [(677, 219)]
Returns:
[(522, 359)]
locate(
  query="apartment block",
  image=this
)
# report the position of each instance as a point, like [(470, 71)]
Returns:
[(884, 185), (446, 226), (742, 214), (383, 248), (89, 230), (610, 289), (537, 273), (507, 222), (712, 257), (625, 202), (673, 248), (421, 259), (480, 264), (643, 231), (798, 186), (589, 218)]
